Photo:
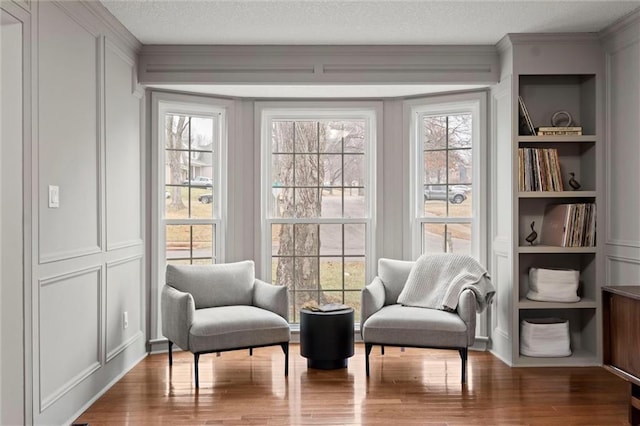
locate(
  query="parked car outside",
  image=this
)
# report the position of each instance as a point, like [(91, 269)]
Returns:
[(199, 181), (438, 192), (206, 198)]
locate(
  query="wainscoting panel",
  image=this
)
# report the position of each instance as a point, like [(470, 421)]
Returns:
[(622, 149), (123, 183), (123, 296), (68, 331), (68, 111), (622, 271)]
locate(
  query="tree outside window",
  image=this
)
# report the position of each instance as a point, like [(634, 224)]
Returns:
[(318, 215)]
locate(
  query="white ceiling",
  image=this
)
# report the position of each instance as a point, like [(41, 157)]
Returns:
[(344, 22)]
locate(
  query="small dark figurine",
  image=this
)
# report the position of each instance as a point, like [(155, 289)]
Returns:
[(531, 238), (573, 182)]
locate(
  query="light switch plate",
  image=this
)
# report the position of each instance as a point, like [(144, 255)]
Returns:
[(54, 196)]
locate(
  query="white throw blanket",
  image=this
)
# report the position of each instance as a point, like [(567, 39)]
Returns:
[(436, 281)]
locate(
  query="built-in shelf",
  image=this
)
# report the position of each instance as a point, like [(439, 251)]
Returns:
[(555, 249), (578, 358), (557, 139), (557, 194), (584, 303), (577, 158)]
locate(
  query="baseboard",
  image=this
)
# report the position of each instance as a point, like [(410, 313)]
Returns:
[(104, 390)]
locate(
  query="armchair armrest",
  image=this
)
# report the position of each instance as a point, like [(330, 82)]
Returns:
[(178, 309), (274, 298), (467, 311), (372, 299)]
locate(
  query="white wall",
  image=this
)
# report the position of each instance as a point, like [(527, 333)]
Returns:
[(622, 220), (89, 252), (11, 247)]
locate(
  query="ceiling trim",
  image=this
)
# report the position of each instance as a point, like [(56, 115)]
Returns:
[(318, 64)]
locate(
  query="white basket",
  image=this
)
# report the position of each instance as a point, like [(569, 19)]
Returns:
[(553, 285), (545, 337)]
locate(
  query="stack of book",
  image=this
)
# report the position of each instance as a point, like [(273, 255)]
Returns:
[(539, 170), (560, 131), (569, 225), (525, 118)]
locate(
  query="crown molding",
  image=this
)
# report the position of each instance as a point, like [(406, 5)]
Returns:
[(318, 64), (114, 28), (552, 38), (621, 33)]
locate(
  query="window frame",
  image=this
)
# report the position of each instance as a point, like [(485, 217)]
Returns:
[(265, 113), (474, 103), (161, 104)]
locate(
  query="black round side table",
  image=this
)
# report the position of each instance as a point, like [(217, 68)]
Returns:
[(326, 338)]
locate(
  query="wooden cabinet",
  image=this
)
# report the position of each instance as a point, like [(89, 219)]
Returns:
[(621, 339)]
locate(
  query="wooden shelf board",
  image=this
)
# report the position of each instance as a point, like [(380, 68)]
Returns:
[(557, 138), (584, 303), (579, 358), (555, 249), (557, 194)]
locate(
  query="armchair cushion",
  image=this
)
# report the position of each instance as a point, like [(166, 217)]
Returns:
[(214, 285), (274, 298), (394, 274), (412, 326), (229, 327)]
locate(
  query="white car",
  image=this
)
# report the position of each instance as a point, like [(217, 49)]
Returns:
[(199, 181)]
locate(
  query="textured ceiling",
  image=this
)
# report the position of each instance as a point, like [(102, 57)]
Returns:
[(320, 22), (357, 21)]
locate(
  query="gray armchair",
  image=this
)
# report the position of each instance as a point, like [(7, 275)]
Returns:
[(385, 322), (216, 308)]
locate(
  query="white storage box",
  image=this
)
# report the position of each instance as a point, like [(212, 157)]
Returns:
[(553, 285), (544, 337)]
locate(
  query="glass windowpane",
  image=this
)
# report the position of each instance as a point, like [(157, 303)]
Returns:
[(306, 170), (332, 170), (460, 131), (282, 136), (354, 239), (306, 202), (435, 167), (306, 136), (306, 239), (332, 203), (460, 166), (331, 273), (353, 170), (354, 206), (459, 238), (354, 273), (435, 132), (330, 239), (433, 238)]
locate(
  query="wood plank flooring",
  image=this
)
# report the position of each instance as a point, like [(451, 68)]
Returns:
[(414, 387)]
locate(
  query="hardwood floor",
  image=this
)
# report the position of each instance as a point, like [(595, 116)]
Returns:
[(415, 387)]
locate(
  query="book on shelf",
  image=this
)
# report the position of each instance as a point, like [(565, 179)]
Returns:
[(528, 124), (560, 131), (569, 225), (539, 170)]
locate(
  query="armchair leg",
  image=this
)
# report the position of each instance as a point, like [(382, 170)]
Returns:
[(285, 349), (196, 358), (170, 353), (367, 351), (463, 357), (250, 351), (381, 349)]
